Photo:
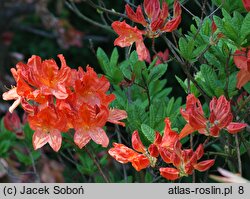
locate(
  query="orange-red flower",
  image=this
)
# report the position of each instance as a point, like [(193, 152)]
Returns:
[(242, 61), (220, 117), (59, 99), (129, 35), (88, 124), (156, 21), (166, 145), (48, 125), (139, 157), (185, 162), (43, 78)]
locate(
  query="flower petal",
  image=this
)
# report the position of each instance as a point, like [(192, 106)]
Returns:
[(39, 139), (115, 115), (137, 143), (99, 136), (55, 140), (136, 16), (122, 153), (188, 129), (204, 165), (81, 137), (234, 127), (169, 173), (127, 34), (140, 162)]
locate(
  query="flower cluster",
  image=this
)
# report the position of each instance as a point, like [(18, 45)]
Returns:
[(155, 23), (220, 117), (168, 147), (58, 99)]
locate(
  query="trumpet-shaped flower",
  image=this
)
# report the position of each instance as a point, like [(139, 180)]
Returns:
[(185, 162), (155, 23), (129, 35), (59, 99), (48, 125), (220, 118), (139, 157)]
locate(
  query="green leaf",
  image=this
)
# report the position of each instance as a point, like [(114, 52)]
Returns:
[(170, 106), (23, 158), (183, 47), (103, 60), (148, 132), (28, 134), (133, 58), (115, 75), (157, 72), (186, 48), (138, 68), (4, 147), (36, 154), (245, 28), (126, 70), (183, 85), (247, 87), (210, 77), (114, 58)]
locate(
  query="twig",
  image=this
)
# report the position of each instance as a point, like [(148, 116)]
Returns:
[(187, 10), (73, 8), (33, 163), (92, 4), (185, 70), (97, 164), (238, 153)]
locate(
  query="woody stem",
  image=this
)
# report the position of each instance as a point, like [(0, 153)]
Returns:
[(238, 154), (97, 165)]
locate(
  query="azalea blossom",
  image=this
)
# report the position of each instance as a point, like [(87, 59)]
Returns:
[(139, 157), (48, 125), (129, 35), (142, 157), (220, 117), (185, 162), (58, 99), (242, 61), (155, 23)]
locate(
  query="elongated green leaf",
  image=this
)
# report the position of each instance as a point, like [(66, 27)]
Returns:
[(157, 72), (114, 58), (170, 106), (245, 28), (103, 60), (183, 85), (148, 132)]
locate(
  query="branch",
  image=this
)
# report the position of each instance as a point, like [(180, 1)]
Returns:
[(113, 12), (73, 8)]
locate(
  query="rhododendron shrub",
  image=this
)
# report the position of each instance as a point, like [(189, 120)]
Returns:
[(172, 104)]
